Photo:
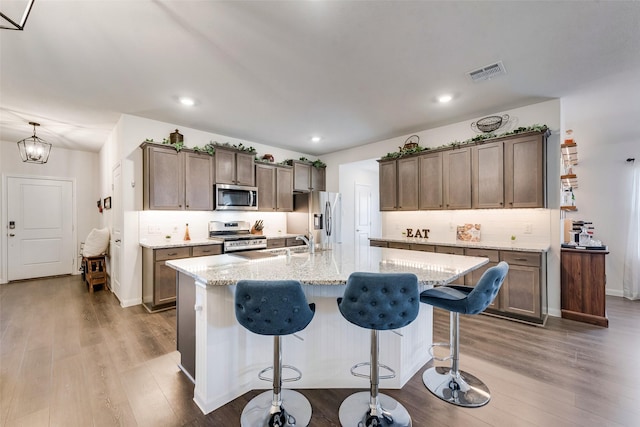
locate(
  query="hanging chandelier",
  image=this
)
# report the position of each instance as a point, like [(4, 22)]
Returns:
[(13, 24), (34, 149)]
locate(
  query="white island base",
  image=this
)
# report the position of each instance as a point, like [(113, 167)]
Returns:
[(228, 357)]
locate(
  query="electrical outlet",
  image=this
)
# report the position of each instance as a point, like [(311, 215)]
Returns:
[(528, 228), (154, 229)]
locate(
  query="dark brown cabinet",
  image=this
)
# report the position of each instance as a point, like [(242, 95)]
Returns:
[(583, 282), (406, 183), (456, 168), (388, 185), (158, 280), (524, 171), (176, 180), (307, 177), (430, 181), (234, 167), (275, 188), (487, 171)]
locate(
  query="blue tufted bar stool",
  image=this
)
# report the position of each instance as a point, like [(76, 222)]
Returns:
[(377, 301), (450, 383), (274, 308)]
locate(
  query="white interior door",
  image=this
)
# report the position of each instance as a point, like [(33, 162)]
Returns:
[(40, 229), (362, 214)]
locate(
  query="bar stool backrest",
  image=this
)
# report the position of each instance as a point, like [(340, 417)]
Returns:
[(487, 288), (272, 307), (380, 301)]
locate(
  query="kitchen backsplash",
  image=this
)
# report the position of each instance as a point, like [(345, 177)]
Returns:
[(498, 225), (155, 225)]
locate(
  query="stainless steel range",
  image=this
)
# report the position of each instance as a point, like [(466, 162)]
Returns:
[(236, 236)]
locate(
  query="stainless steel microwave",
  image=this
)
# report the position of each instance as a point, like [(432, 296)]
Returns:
[(235, 198)]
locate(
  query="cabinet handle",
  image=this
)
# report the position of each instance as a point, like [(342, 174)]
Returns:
[(206, 252), (173, 254), (519, 259)]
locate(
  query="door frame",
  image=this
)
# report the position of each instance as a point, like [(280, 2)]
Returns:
[(4, 220)]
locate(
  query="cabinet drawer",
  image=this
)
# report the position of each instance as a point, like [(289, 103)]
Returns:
[(275, 243), (531, 259), (423, 248), (399, 245), (292, 241), (172, 253), (206, 250), (493, 255), (378, 243), (449, 250)]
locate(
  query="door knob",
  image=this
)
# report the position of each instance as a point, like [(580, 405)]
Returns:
[(11, 235)]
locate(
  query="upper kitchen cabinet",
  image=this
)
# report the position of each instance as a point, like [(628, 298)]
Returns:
[(275, 188), (487, 173), (430, 181), (398, 184), (176, 180), (307, 177), (524, 171), (456, 168), (388, 185), (234, 167)]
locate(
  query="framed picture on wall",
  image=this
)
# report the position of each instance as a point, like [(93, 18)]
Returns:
[(107, 203)]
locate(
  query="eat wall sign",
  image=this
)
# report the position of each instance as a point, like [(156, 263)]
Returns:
[(420, 232)]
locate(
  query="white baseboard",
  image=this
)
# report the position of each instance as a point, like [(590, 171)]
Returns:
[(130, 302), (614, 292)]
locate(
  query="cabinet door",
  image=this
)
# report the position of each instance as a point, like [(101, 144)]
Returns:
[(245, 169), (430, 184), (487, 168), (266, 183), (225, 166), (164, 290), (456, 166), (318, 179), (163, 179), (521, 291), (408, 184), (524, 172), (198, 182), (284, 189), (301, 177), (387, 177)]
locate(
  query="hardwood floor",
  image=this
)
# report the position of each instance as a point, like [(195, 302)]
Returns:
[(70, 358)]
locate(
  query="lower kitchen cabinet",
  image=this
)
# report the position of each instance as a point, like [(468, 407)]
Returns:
[(582, 286), (159, 281), (523, 295)]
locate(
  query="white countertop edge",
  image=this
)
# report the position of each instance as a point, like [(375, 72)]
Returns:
[(157, 244), (523, 247)]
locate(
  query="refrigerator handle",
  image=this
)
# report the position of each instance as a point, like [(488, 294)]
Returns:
[(327, 216)]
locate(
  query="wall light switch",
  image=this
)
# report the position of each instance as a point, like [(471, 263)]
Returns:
[(154, 229), (528, 228)]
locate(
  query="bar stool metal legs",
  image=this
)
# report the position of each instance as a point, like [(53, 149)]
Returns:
[(365, 409), (277, 407), (451, 384)]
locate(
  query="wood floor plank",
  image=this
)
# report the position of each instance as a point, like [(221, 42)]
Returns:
[(70, 403)]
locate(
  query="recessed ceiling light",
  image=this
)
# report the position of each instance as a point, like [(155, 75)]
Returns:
[(444, 98), (315, 139), (189, 102)]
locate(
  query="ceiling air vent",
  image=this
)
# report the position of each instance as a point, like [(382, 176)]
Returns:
[(488, 72)]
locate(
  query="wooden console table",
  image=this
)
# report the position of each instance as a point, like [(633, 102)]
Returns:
[(583, 280)]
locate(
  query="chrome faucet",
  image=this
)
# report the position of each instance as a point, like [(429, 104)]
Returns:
[(310, 243)]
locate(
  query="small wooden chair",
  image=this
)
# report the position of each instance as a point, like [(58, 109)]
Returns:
[(95, 271)]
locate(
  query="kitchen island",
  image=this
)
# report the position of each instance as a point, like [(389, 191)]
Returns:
[(228, 357)]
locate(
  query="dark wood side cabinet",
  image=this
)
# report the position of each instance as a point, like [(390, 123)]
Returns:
[(582, 286)]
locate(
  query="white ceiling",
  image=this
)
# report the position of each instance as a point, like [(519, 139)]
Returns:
[(278, 72)]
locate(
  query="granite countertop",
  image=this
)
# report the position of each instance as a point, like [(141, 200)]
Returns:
[(517, 246), (176, 243), (327, 267)]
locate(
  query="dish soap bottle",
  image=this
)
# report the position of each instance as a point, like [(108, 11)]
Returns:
[(186, 233)]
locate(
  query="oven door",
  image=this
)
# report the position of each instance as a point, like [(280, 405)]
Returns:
[(235, 198)]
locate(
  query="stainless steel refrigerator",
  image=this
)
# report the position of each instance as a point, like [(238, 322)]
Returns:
[(318, 213)]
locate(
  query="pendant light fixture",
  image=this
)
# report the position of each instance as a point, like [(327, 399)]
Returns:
[(34, 149), (7, 23)]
